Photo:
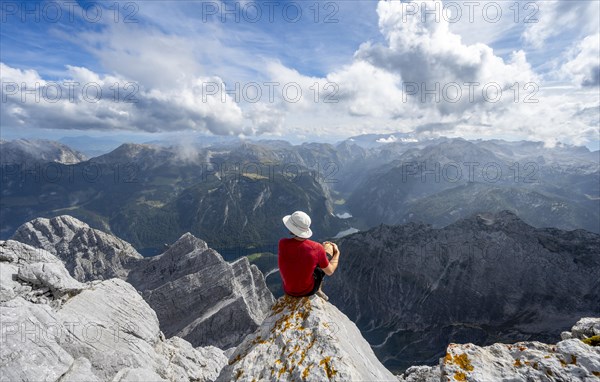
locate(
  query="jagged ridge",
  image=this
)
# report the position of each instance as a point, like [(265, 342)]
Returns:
[(196, 294)]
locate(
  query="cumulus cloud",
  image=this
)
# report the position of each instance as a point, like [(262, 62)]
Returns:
[(556, 18), (424, 52), (87, 100), (584, 68), (428, 56)]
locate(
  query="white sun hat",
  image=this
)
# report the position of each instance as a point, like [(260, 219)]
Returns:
[(299, 224)]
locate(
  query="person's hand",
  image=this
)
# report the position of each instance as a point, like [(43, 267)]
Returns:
[(336, 250), (329, 248)]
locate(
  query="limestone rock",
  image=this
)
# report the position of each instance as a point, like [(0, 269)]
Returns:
[(305, 339), (586, 327), (421, 374), (199, 296), (95, 331), (80, 370), (195, 293), (88, 254), (569, 360), (51, 275), (29, 151)]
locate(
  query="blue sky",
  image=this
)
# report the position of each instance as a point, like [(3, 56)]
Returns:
[(362, 54)]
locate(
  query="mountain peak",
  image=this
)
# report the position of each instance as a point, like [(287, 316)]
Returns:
[(496, 220), (305, 337), (38, 150), (187, 243)]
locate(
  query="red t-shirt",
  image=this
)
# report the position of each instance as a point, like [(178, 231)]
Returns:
[(297, 261)]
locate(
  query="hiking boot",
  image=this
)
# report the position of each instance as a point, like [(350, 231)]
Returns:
[(322, 295)]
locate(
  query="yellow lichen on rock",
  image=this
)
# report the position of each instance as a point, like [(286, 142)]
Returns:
[(518, 363), (239, 374), (592, 341), (463, 361), (329, 370)]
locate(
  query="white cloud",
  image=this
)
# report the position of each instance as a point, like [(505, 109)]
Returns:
[(86, 99), (373, 88), (390, 139), (427, 54), (555, 18), (173, 58), (584, 67)]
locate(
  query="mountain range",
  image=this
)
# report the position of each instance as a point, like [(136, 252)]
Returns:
[(234, 192), (412, 288), (149, 194), (441, 183)]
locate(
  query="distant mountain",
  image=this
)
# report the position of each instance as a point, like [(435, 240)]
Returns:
[(91, 146), (413, 289), (368, 141), (232, 195), (451, 179), (28, 151), (231, 192)]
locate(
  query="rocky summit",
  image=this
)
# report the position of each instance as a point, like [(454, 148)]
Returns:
[(305, 339), (195, 293), (55, 328), (575, 358)]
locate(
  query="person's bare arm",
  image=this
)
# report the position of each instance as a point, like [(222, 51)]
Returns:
[(333, 263)]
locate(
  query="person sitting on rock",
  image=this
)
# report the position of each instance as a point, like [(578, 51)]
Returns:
[(302, 262)]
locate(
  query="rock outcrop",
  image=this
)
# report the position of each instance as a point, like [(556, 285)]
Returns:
[(88, 254), (199, 296), (55, 328), (305, 339), (573, 359), (195, 293)]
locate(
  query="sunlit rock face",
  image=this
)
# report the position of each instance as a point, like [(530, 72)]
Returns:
[(55, 328), (195, 293), (574, 359), (305, 339)]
